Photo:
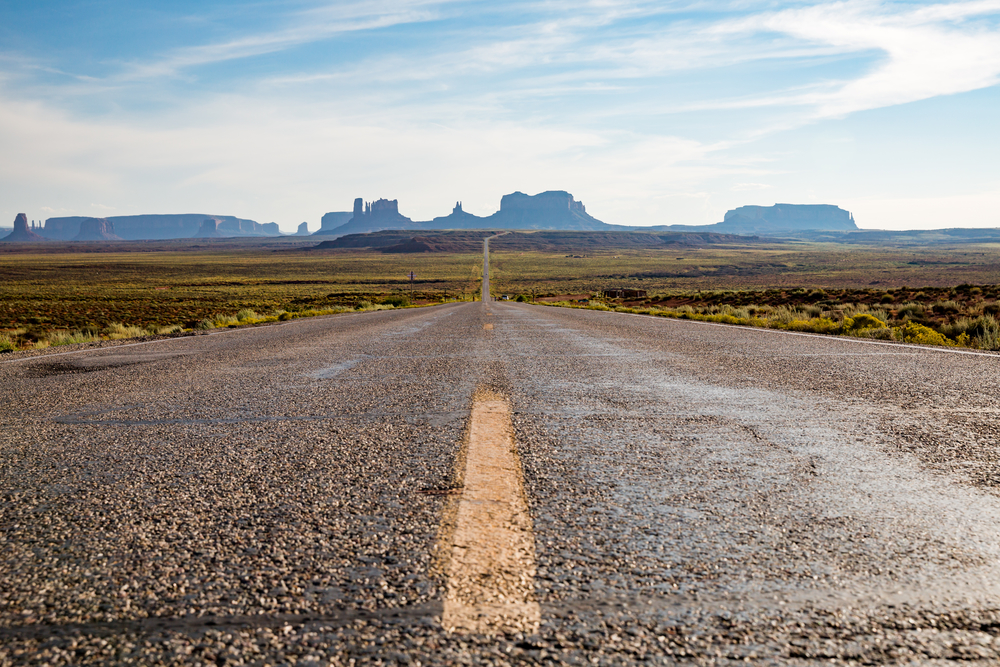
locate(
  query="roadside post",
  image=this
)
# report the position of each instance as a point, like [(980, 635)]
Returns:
[(411, 276)]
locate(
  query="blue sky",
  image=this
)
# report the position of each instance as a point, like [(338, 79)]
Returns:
[(649, 112)]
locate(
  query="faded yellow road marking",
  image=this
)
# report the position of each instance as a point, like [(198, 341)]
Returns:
[(488, 327), (492, 569)]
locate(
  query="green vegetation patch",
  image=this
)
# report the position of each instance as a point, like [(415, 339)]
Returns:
[(56, 298)]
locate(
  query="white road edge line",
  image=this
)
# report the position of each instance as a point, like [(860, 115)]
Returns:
[(840, 339), (492, 567), (170, 340)]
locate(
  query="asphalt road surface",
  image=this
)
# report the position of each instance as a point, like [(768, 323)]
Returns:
[(697, 493)]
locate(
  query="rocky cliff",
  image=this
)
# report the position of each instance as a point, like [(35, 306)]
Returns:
[(209, 229), (374, 217), (780, 219), (143, 227), (554, 210), (332, 221), (22, 233), (97, 229), (303, 229), (788, 217)]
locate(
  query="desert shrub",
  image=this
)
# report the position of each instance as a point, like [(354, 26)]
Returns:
[(878, 333), (957, 328), (520, 298), (117, 331), (985, 332), (785, 315), (861, 322), (945, 307), (221, 321), (7, 343), (912, 332), (823, 325), (395, 301), (284, 316), (812, 311), (364, 304), (880, 314), (742, 313), (886, 298), (312, 312), (982, 332), (70, 337), (910, 310), (205, 325), (852, 308), (246, 314), (817, 294), (32, 334), (173, 328)]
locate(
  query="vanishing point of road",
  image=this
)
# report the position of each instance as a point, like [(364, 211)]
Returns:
[(499, 483)]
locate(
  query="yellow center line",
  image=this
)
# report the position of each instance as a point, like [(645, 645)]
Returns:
[(492, 568)]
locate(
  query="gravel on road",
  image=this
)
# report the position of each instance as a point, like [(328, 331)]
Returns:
[(698, 494)]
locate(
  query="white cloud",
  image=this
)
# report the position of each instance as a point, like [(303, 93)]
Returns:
[(925, 52), (537, 96), (275, 162), (304, 27)]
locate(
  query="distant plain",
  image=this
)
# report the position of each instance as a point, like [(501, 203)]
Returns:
[(155, 284)]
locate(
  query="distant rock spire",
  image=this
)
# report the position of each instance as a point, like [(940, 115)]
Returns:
[(22, 233)]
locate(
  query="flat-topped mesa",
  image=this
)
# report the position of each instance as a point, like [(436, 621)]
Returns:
[(97, 229), (797, 217), (303, 229), (553, 199), (21, 233), (555, 209), (330, 221), (165, 226)]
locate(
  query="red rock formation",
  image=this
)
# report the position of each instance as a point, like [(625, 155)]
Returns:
[(168, 226), (21, 233), (97, 229), (209, 229)]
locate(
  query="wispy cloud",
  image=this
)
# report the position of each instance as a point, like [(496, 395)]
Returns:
[(610, 98), (923, 52)]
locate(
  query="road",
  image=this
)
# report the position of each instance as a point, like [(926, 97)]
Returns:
[(293, 494)]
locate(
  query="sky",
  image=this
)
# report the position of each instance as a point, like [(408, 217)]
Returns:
[(651, 113)]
